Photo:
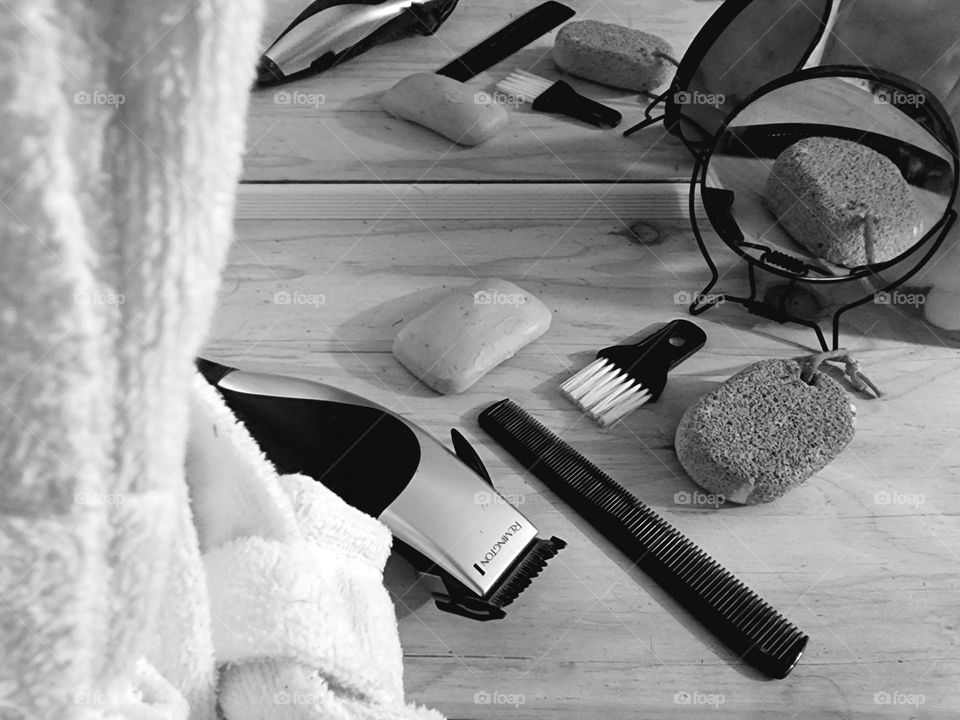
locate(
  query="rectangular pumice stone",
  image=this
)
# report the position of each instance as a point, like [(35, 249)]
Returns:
[(468, 333), (843, 201)]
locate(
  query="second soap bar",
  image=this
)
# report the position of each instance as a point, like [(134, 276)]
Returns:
[(467, 334), (445, 106)]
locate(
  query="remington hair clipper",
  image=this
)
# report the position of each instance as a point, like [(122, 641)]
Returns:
[(441, 507), (328, 32)]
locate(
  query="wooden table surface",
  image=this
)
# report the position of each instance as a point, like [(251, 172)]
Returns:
[(864, 557), (331, 128)]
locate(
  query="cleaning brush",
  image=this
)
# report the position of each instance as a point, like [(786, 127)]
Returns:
[(624, 377), (557, 97)]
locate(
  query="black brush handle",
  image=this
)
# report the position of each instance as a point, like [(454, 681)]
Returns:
[(506, 41), (727, 607), (666, 348), (649, 360), (563, 99)]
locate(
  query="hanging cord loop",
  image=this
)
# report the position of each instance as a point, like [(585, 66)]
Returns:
[(811, 364)]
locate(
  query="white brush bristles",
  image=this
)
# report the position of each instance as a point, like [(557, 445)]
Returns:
[(604, 392), (524, 86)]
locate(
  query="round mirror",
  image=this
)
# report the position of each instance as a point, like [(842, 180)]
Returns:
[(744, 45), (831, 174)]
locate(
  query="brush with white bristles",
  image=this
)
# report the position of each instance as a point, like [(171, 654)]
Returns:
[(624, 377), (557, 97)]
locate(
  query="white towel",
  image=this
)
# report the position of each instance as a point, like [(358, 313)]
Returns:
[(295, 581), (132, 566)]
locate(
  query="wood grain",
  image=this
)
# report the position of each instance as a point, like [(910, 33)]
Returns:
[(863, 557), (330, 127)]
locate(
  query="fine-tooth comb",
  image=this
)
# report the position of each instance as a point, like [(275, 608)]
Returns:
[(624, 377), (732, 611)]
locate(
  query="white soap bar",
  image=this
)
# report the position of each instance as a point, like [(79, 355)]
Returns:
[(467, 334), (446, 106)]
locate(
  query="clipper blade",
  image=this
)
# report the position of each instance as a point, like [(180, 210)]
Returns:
[(524, 570), (456, 598)]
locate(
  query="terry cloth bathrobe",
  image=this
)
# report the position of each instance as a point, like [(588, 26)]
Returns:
[(152, 563)]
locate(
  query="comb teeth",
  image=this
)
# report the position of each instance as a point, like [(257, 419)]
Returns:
[(605, 392), (524, 570), (523, 85), (737, 615)]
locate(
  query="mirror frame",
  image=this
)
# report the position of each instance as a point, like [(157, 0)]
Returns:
[(775, 262)]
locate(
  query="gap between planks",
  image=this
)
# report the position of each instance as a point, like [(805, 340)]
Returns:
[(628, 202)]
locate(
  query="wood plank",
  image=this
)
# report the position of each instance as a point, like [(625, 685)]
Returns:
[(863, 556), (330, 127), (465, 201)]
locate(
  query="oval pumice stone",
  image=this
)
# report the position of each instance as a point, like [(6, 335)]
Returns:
[(764, 431)]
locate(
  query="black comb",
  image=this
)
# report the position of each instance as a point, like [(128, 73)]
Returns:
[(728, 608), (507, 40)]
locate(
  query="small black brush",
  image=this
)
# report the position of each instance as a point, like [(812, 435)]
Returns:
[(557, 97), (624, 377)]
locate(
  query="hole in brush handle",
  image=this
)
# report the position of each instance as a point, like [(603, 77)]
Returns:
[(563, 99)]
